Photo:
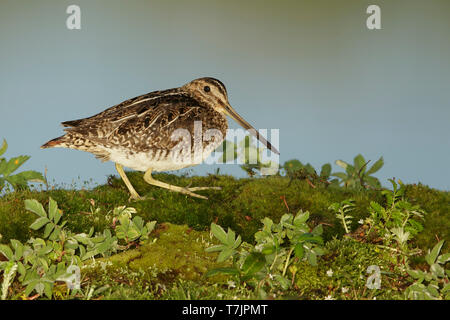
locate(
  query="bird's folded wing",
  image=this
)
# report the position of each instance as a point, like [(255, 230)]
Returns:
[(144, 121)]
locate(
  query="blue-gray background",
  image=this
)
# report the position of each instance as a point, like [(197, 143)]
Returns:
[(310, 68)]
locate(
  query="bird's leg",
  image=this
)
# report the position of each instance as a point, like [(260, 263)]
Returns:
[(189, 191), (134, 194)]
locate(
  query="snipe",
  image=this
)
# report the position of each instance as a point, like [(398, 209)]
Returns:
[(145, 133)]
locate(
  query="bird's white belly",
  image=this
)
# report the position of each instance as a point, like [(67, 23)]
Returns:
[(160, 160)]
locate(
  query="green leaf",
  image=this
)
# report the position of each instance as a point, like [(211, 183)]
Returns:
[(6, 251), (292, 166), (318, 230), (312, 259), (18, 249), (340, 175), (88, 255), (443, 259), (309, 237), (416, 274), (253, 263), (376, 166), (52, 209), (301, 218), (285, 283), (310, 169), (350, 170), (225, 254), (17, 181), (120, 232), (318, 251), (55, 234), (3, 148), (48, 229), (13, 164), (359, 162), (150, 226), (105, 246), (219, 233), (299, 251), (133, 234), (326, 170), (268, 249), (30, 287), (231, 237), (48, 289), (32, 176), (437, 270), (432, 256), (226, 271), (237, 242), (8, 277), (138, 222), (216, 248), (36, 207), (446, 288), (22, 271), (341, 164), (372, 181), (39, 223)]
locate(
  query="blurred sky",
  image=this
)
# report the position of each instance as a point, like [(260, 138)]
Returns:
[(310, 68)]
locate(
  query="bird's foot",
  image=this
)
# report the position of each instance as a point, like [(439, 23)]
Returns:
[(203, 188), (190, 191), (137, 197)]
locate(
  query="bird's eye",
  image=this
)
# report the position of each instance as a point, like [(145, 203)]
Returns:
[(207, 89)]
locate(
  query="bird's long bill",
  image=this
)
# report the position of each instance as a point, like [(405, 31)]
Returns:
[(247, 126)]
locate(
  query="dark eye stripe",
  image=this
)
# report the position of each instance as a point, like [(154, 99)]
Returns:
[(220, 86)]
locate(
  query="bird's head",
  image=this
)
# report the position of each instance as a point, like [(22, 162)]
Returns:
[(209, 91), (213, 93)]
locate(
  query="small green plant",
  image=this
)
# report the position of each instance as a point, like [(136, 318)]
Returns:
[(396, 223), (398, 220), (359, 175), (131, 230), (250, 156), (342, 211), (8, 167), (41, 262), (296, 170), (433, 284), (266, 263)]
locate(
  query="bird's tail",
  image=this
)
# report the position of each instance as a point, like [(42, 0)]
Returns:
[(53, 143)]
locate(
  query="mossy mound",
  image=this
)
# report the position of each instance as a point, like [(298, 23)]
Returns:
[(177, 251), (240, 205), (343, 273), (171, 265)]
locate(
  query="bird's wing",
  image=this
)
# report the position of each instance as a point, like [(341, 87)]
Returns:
[(118, 110), (143, 121)]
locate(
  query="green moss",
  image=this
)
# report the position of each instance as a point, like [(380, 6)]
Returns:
[(240, 205), (437, 221), (311, 282), (342, 272), (173, 267), (178, 250)]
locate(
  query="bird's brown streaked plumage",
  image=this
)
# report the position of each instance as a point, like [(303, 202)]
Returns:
[(138, 133)]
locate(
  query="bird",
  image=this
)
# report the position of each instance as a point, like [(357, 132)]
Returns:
[(158, 131)]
